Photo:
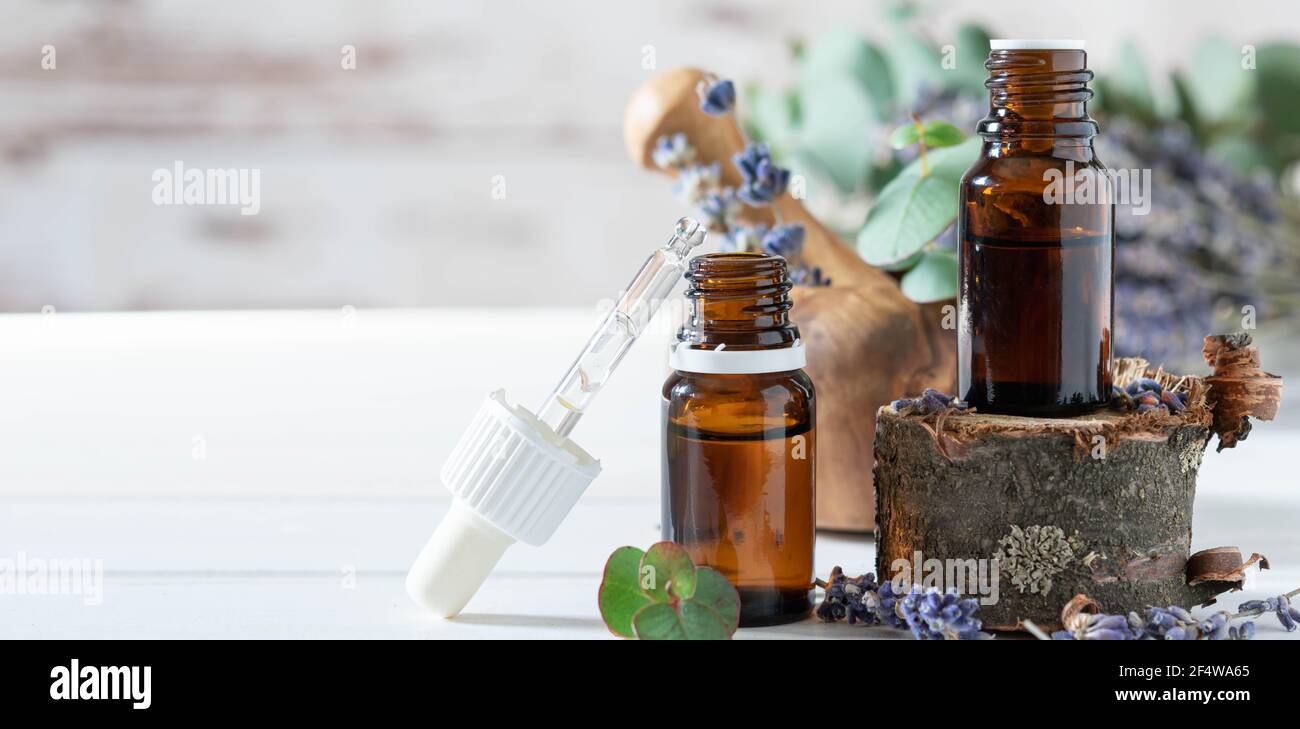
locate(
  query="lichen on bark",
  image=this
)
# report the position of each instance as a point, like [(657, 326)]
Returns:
[(1032, 556)]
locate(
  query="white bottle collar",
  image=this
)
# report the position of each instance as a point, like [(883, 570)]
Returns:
[(721, 361)]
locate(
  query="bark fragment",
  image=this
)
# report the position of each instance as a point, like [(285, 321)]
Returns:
[(1239, 389), (1221, 564)]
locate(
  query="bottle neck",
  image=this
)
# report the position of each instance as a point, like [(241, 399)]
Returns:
[(739, 301), (1038, 94)]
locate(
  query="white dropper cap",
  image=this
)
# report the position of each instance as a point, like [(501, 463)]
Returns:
[(514, 475), (512, 479)]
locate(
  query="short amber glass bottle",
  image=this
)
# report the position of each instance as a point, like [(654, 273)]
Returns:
[(1037, 242), (739, 442)]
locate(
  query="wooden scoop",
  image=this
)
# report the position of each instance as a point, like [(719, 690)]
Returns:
[(867, 343)]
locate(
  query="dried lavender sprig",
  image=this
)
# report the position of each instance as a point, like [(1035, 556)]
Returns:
[(763, 182), (931, 402), (929, 614), (1175, 623), (1145, 395), (1287, 614)]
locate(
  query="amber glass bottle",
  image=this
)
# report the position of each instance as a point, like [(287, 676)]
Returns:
[(739, 442), (1037, 241)]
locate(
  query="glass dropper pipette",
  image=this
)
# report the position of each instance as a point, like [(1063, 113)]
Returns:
[(511, 477), (625, 322)]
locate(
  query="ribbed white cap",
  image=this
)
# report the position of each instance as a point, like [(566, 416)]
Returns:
[(1039, 44), (513, 471), (513, 479)]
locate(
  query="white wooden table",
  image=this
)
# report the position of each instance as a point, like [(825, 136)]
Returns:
[(312, 482), (333, 568)]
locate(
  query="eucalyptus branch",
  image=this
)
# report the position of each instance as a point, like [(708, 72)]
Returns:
[(920, 134)]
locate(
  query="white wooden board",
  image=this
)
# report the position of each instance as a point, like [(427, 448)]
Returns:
[(238, 568)]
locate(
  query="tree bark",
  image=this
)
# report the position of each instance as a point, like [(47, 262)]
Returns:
[(1099, 505)]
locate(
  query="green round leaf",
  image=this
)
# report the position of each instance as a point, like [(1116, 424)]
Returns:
[(702, 623), (688, 621), (658, 621), (916, 65), (845, 52), (904, 136), (1220, 89), (933, 279), (837, 120), (941, 134), (1279, 82), (620, 595), (1127, 88), (972, 50), (666, 571), (912, 210), (904, 264), (715, 592), (771, 116)]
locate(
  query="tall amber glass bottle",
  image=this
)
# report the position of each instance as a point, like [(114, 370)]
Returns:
[(1037, 241), (739, 441)]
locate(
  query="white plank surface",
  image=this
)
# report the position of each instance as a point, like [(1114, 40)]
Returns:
[(293, 403), (345, 402), (315, 483), (333, 569)]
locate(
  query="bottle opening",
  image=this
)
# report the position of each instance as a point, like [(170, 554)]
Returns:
[(738, 300)]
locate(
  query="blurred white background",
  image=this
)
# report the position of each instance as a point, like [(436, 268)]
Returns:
[(376, 188), (377, 182)]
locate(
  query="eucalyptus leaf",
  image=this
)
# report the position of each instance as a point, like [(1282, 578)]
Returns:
[(972, 51), (916, 65), (845, 52), (658, 621), (1278, 66), (941, 134), (702, 622), (770, 115), (881, 172), (659, 594), (686, 621), (912, 210), (620, 595), (838, 117), (934, 278), (904, 136), (666, 572), (1221, 89), (713, 591), (1127, 88), (902, 265), (1183, 104)]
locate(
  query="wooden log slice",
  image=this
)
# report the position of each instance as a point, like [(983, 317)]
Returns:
[(1099, 505)]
